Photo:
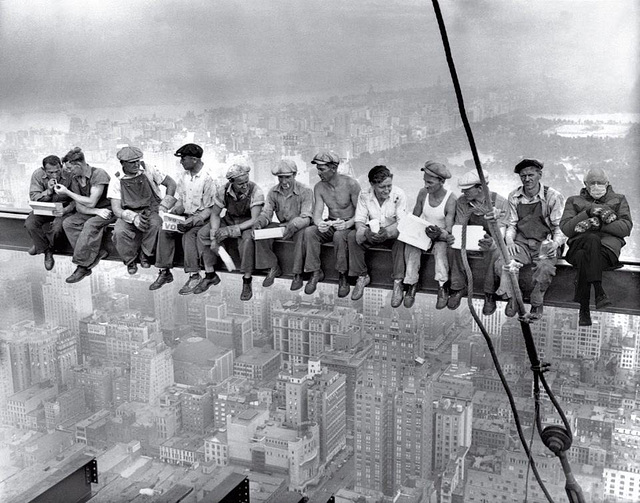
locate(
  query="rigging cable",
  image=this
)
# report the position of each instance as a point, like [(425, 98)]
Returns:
[(558, 439)]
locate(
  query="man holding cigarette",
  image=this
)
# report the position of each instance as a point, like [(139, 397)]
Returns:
[(339, 193), (292, 202)]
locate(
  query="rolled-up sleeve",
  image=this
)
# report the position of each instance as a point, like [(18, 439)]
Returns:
[(257, 198), (209, 191), (306, 203), (37, 188), (362, 208), (556, 203), (512, 216)]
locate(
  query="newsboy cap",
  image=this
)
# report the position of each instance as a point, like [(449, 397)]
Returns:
[(236, 170), (129, 154), (284, 167), (528, 163), (437, 169), (471, 179), (189, 150), (326, 158)]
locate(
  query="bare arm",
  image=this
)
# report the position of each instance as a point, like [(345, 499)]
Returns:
[(318, 205), (170, 184), (88, 201)]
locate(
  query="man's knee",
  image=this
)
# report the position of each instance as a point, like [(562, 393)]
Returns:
[(31, 223), (311, 233), (340, 237)]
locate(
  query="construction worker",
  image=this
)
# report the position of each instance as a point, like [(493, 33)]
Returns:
[(292, 203), (471, 208), (385, 204), (135, 201), (45, 230), (194, 200), (436, 205), (85, 227), (533, 234), (243, 201), (339, 193)]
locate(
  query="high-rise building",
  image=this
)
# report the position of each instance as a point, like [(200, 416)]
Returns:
[(159, 304), (327, 406), (64, 407), (151, 372), (198, 361), (197, 410), (232, 331), (296, 399), (451, 430), (261, 364)]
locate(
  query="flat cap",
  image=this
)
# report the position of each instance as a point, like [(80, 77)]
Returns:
[(236, 170), (528, 163), (129, 154), (326, 158), (189, 150), (470, 179), (438, 169), (284, 167)]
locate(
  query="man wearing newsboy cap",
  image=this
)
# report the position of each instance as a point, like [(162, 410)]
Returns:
[(533, 234), (194, 200), (292, 203), (136, 198), (243, 201)]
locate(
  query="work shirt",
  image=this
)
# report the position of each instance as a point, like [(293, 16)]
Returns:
[(293, 207), (38, 188), (226, 191), (92, 177), (392, 209), (196, 192), (155, 176), (552, 208)]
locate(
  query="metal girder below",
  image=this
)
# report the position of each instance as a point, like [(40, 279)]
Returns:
[(622, 285)]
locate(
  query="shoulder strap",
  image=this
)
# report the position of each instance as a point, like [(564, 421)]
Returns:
[(545, 190)]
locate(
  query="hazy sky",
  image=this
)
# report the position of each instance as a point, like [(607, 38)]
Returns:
[(93, 53)]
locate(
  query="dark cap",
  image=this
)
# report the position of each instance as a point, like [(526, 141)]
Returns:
[(527, 163), (436, 169), (326, 158), (189, 150)]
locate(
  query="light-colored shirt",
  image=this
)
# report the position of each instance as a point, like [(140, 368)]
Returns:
[(195, 192), (155, 176), (392, 209), (552, 208), (292, 207)]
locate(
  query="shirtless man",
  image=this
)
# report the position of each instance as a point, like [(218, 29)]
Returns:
[(340, 195)]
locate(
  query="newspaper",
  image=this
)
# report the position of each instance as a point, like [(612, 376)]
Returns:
[(474, 234), (170, 221), (412, 230)]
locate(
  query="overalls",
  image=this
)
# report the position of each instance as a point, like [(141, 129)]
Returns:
[(138, 195)]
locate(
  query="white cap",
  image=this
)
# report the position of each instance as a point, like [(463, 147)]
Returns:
[(471, 178)]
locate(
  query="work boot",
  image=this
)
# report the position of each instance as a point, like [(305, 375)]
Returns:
[(316, 277), (78, 274), (489, 306), (296, 283), (358, 290), (49, 262), (247, 292), (398, 293), (132, 268), (164, 277), (210, 279), (190, 285), (443, 297), (144, 261), (536, 312), (455, 298), (410, 296), (343, 285), (584, 317), (602, 301), (274, 273), (512, 308), (32, 250)]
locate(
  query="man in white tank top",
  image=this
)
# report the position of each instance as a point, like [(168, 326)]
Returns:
[(437, 205)]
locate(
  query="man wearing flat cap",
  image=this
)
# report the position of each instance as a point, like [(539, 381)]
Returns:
[(136, 198), (471, 208), (339, 193), (243, 201), (436, 205), (533, 234), (292, 202), (194, 200), (85, 227)]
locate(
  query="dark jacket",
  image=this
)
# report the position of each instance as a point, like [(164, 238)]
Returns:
[(613, 234)]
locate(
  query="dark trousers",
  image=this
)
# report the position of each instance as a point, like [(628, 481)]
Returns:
[(129, 240), (266, 259), (459, 276), (313, 241), (44, 230), (590, 258), (85, 232), (166, 249), (357, 264), (244, 244)]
